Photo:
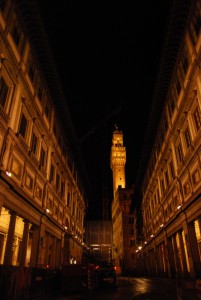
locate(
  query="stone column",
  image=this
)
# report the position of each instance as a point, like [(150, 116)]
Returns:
[(182, 253), (194, 246), (176, 256), (35, 246), (171, 258), (10, 240), (25, 237)]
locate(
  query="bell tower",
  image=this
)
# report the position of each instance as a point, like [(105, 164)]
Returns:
[(118, 160)]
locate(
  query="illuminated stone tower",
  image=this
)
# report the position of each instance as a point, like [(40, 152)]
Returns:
[(118, 160)]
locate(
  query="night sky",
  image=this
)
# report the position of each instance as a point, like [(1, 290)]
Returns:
[(107, 55)]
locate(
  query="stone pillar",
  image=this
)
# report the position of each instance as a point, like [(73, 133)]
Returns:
[(182, 254), (194, 246), (25, 237), (35, 246), (171, 258), (176, 256), (10, 240)]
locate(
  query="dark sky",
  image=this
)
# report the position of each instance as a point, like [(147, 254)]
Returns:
[(107, 54)]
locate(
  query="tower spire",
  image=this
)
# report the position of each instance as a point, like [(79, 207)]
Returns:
[(118, 160)]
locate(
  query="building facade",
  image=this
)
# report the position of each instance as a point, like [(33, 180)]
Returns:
[(123, 219), (170, 237), (99, 240), (42, 195)]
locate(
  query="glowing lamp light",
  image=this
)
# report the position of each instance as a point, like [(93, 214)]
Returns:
[(8, 173)]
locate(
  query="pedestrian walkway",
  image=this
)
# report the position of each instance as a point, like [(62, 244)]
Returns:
[(133, 288)]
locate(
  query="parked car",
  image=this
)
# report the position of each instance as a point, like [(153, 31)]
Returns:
[(107, 274)]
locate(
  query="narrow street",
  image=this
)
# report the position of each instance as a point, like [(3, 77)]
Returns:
[(134, 288)]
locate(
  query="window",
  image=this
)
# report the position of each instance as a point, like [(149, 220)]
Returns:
[(180, 155), (23, 125), (177, 84), (18, 37), (57, 182), (52, 173), (39, 89), (197, 118), (162, 186), (68, 199), (184, 61), (172, 169), (42, 157), (171, 104), (167, 177), (31, 68), (62, 188), (187, 137), (47, 110), (3, 92), (34, 142)]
